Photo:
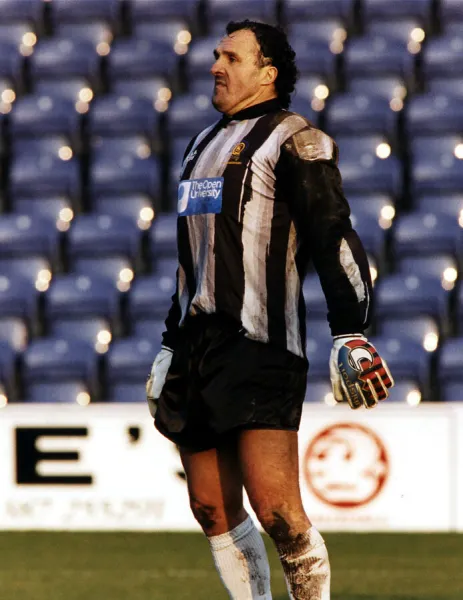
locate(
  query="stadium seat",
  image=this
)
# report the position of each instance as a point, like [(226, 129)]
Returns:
[(74, 11), (450, 369), (407, 31), (124, 166), (330, 31), (375, 10), (443, 57), (296, 10), (443, 266), (363, 170), (17, 34), (60, 370), (449, 203), (319, 391), (428, 114), (451, 14), (357, 113), (375, 56), (18, 301), (189, 114), (318, 328), (163, 10), (14, 331), (37, 115), (175, 32), (314, 57), (422, 329), (83, 307), (40, 174), (233, 10), (128, 365), (303, 107), (98, 34), (27, 245), (116, 115), (105, 246), (138, 207), (314, 297), (163, 236), (56, 208), (379, 206), (371, 233), (200, 58), (427, 233), (309, 96), (77, 89), (459, 309), (14, 11), (436, 166), (65, 59), (150, 300), (11, 63), (403, 295), (7, 370), (133, 59), (407, 360)]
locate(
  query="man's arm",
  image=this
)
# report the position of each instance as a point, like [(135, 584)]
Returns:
[(321, 216)]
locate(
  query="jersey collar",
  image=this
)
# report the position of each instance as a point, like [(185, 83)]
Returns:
[(252, 112)]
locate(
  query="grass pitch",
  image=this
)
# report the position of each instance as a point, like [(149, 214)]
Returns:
[(178, 566)]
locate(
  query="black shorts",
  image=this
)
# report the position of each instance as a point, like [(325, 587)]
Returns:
[(219, 380)]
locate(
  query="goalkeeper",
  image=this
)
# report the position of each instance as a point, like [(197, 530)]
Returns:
[(260, 197)]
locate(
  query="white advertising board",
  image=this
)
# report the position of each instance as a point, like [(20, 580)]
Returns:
[(106, 468)]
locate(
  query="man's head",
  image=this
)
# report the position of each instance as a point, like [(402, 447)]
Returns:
[(254, 63)]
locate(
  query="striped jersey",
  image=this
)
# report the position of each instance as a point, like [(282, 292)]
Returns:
[(259, 198)]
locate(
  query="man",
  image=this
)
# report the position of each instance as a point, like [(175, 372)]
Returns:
[(260, 196)]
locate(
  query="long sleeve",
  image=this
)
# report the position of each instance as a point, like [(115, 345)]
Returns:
[(325, 234), (170, 335)]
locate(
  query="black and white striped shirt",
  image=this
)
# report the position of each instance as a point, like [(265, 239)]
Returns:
[(260, 196)]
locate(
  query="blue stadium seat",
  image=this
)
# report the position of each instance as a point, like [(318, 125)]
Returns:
[(39, 174), (58, 370), (318, 328), (407, 360), (459, 309), (319, 391), (12, 11), (11, 63), (36, 115), (371, 233), (452, 86), (74, 11), (296, 10), (150, 298), (391, 87), (137, 207), (450, 369), (14, 331), (56, 208), (19, 300), (451, 13), (404, 30), (443, 57), (163, 236), (396, 9), (441, 265), (435, 166), (304, 108), (379, 206), (149, 327), (7, 369), (23, 239), (401, 295), (357, 113), (450, 203), (116, 115), (306, 98), (376, 56), (58, 59), (79, 306), (124, 165), (330, 31), (427, 233), (72, 88), (128, 365), (147, 10), (363, 171), (422, 329), (314, 57), (105, 246), (233, 10), (189, 114), (201, 57), (132, 59), (428, 114), (17, 34), (98, 34), (175, 32)]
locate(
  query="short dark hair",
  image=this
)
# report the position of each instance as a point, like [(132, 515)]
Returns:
[(276, 50)]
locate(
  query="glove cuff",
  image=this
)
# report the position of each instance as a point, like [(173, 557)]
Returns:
[(167, 348), (348, 335)]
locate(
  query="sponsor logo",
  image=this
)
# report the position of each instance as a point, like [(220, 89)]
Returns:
[(346, 465), (200, 196)]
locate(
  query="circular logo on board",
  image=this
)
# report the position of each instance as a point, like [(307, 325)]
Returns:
[(183, 194), (346, 465)]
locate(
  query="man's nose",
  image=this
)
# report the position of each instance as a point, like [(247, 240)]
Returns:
[(216, 68)]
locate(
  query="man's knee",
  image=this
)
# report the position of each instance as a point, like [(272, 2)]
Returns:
[(215, 519), (282, 522)]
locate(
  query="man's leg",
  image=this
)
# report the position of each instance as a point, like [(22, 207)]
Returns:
[(215, 487), (270, 467)]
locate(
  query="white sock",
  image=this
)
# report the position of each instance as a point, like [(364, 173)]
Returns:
[(241, 560), (306, 566)]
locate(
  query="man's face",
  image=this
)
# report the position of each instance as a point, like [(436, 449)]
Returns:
[(240, 81)]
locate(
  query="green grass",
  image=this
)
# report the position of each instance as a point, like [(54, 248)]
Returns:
[(178, 566)]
